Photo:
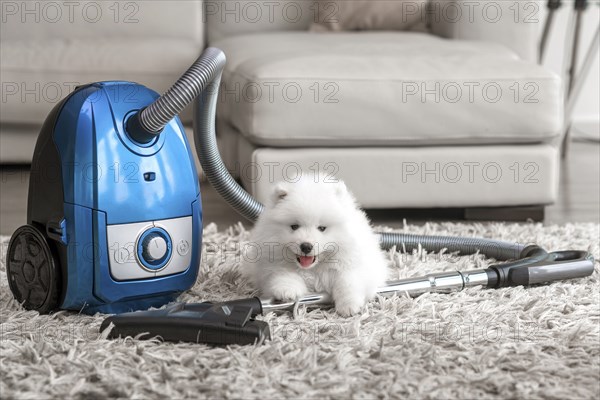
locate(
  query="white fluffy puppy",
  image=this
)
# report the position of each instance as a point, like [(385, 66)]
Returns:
[(313, 237)]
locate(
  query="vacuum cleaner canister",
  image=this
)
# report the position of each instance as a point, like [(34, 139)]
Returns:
[(113, 224)]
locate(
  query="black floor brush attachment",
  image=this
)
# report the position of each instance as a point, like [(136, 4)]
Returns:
[(210, 323)]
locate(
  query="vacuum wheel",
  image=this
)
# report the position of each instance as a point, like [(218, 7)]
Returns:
[(32, 270)]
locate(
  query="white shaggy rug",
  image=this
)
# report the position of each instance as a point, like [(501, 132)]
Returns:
[(539, 342)]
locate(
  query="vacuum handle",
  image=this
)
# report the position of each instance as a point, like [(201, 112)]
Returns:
[(563, 265), (541, 267)]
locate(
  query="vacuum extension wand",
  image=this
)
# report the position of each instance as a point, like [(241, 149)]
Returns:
[(537, 267)]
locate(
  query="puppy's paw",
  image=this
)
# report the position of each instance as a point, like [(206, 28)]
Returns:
[(288, 291), (349, 306)]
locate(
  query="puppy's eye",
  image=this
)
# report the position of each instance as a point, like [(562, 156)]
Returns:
[(295, 226), (322, 228)]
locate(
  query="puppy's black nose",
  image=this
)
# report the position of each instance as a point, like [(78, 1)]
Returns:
[(306, 247)]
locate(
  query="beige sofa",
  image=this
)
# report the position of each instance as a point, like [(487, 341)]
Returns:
[(459, 116)]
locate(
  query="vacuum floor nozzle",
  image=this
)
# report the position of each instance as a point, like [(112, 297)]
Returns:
[(209, 323)]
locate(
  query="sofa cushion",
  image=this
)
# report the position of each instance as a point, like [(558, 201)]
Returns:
[(384, 88), (37, 75), (357, 15)]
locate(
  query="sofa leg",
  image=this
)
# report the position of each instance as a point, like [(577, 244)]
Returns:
[(535, 213)]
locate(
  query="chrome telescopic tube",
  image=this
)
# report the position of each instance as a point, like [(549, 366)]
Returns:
[(537, 266), (442, 282)]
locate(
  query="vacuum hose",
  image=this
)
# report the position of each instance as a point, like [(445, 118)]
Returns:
[(205, 112), (149, 122), (206, 70)]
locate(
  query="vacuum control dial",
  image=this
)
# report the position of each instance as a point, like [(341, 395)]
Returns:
[(154, 249)]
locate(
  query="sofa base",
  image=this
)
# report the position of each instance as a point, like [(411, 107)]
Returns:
[(395, 217), (478, 177), (534, 213)]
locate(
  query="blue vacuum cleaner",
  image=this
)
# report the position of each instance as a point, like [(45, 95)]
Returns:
[(113, 224), (114, 219)]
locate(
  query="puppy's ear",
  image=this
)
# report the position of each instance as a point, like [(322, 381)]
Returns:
[(279, 193), (341, 189), (342, 192)]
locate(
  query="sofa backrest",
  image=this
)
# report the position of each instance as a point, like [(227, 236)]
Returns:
[(225, 18), (47, 48), (41, 20), (514, 24)]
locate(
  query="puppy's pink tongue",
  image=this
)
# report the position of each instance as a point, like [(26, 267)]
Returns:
[(306, 261)]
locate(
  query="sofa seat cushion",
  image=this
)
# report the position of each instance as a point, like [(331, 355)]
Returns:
[(384, 88)]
